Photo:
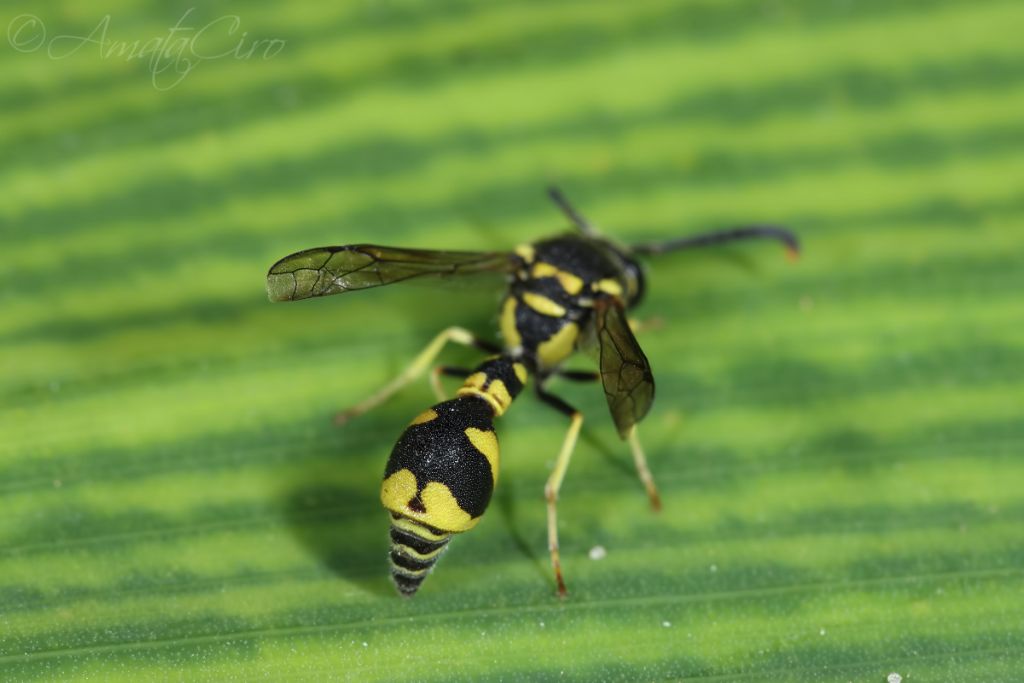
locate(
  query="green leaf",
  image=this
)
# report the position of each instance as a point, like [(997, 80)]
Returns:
[(837, 442)]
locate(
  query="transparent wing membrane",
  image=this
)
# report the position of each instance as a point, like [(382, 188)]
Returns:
[(625, 372), (334, 270)]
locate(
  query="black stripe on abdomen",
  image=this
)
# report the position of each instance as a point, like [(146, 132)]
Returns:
[(413, 556), (417, 543), (412, 564)]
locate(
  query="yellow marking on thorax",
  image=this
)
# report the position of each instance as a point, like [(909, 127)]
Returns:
[(608, 286), (442, 510), (426, 416), (487, 443), (559, 346), (543, 305), (520, 371), (526, 252), (572, 284), (507, 324)]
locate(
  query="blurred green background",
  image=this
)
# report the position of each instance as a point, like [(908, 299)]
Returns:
[(838, 442)]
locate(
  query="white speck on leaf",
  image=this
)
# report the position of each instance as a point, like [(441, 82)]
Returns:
[(666, 624), (894, 678), (597, 552), (821, 632)]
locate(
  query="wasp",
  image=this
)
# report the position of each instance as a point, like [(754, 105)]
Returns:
[(565, 293)]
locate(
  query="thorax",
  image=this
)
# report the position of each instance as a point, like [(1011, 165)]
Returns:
[(550, 297)]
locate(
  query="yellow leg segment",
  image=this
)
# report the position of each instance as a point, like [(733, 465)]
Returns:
[(648, 325), (554, 483), (418, 366), (435, 383), (439, 371), (641, 468)]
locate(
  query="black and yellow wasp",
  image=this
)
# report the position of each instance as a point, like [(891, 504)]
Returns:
[(564, 293)]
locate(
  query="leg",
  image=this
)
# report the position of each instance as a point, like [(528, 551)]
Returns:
[(447, 371), (579, 375), (646, 325), (415, 369), (641, 468), (634, 442), (554, 482)]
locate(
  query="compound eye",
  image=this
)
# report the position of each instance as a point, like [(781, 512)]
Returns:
[(636, 281)]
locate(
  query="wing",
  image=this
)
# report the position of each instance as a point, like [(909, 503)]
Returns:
[(334, 270), (625, 372)]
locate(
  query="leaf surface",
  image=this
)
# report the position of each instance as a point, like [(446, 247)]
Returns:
[(838, 443)]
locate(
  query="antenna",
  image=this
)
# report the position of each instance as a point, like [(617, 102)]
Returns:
[(728, 235), (582, 223)]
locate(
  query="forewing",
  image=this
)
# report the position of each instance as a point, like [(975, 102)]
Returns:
[(335, 270), (625, 372)]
